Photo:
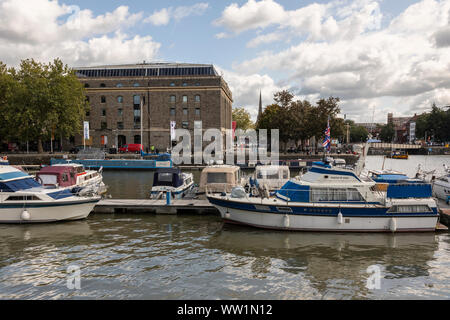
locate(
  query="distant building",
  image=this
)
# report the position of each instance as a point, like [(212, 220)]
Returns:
[(371, 127), (401, 126), (184, 93)]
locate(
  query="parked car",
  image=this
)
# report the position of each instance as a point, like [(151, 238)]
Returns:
[(132, 147)]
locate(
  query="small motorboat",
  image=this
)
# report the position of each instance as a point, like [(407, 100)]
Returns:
[(441, 185), (72, 176), (24, 200), (172, 180), (398, 154), (4, 161)]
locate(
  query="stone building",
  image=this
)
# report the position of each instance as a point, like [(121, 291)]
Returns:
[(163, 92)]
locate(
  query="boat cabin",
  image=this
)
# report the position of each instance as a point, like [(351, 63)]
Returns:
[(170, 177), (64, 175), (220, 178), (273, 176)]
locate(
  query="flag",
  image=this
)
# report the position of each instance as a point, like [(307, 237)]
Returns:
[(327, 140)]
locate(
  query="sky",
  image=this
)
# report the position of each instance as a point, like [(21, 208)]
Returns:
[(377, 56)]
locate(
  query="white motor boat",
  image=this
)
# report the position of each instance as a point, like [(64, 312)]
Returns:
[(329, 198), (172, 180), (441, 185), (24, 200)]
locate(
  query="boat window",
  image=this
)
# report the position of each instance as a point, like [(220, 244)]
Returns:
[(217, 177), (188, 181), (48, 179), (285, 174), (335, 194), (409, 209), (65, 178), (22, 198)]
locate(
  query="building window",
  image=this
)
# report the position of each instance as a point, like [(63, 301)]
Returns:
[(120, 125), (197, 98), (120, 112), (184, 99), (103, 99), (184, 84), (185, 124), (136, 85), (173, 99), (185, 111), (88, 113), (104, 112), (172, 84), (86, 85), (197, 111), (120, 99), (136, 100), (197, 84), (137, 139), (119, 85), (103, 125), (172, 111), (102, 85)]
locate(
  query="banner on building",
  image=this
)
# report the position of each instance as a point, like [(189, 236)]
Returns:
[(172, 130), (233, 126), (412, 131), (86, 130), (198, 124)]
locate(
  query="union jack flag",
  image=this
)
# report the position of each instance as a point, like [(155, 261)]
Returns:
[(327, 140)]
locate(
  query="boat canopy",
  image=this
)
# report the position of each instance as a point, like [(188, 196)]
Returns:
[(219, 178), (62, 175), (12, 180), (292, 191), (168, 177)]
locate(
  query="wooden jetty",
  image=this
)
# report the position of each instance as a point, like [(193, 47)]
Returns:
[(176, 206)]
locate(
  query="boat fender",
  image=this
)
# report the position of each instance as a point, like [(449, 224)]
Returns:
[(340, 217), (227, 215), (25, 215), (286, 221), (393, 225)]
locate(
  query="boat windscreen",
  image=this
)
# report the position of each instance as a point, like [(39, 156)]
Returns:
[(16, 185), (167, 179)]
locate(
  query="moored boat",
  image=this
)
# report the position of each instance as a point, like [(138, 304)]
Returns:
[(24, 200), (329, 198), (398, 154), (441, 185), (172, 180), (220, 178), (72, 176)]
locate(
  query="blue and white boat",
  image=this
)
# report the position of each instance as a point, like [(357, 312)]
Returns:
[(24, 200), (172, 180), (330, 198)]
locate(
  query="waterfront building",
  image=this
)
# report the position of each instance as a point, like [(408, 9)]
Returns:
[(165, 92)]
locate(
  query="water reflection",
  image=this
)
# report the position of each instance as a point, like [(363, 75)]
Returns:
[(197, 257)]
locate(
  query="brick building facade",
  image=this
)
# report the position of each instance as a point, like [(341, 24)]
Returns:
[(183, 93)]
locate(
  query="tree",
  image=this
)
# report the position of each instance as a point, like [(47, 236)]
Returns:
[(387, 132), (48, 100), (358, 134), (7, 88), (242, 118)]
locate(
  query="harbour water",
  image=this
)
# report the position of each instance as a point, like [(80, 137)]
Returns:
[(143, 256)]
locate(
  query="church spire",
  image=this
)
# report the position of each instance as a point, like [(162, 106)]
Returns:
[(260, 106)]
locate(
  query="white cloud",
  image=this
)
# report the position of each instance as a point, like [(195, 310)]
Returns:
[(246, 88), (163, 16), (402, 67), (45, 29)]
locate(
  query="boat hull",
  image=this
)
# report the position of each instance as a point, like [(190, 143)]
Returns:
[(305, 222), (47, 212)]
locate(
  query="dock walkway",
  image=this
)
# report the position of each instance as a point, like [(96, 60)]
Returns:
[(155, 206)]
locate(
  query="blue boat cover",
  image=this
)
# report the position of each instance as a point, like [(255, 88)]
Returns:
[(294, 192), (390, 178), (17, 185), (61, 194), (413, 190), (12, 175)]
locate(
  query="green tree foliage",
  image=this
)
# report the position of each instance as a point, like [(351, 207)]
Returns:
[(44, 100), (387, 132), (242, 118), (300, 120)]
